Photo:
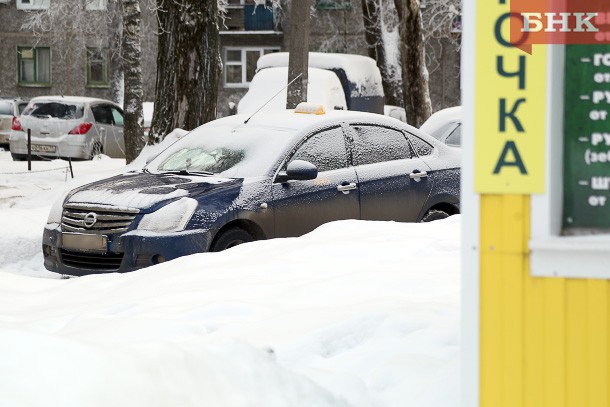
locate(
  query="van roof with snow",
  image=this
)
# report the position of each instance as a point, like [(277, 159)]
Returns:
[(358, 74)]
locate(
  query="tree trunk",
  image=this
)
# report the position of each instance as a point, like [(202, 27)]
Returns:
[(372, 15), (298, 59), (188, 66), (132, 71), (415, 88)]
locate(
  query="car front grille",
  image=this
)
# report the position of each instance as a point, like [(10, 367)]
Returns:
[(92, 261), (96, 219)]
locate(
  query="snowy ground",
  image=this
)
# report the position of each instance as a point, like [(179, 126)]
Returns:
[(352, 314)]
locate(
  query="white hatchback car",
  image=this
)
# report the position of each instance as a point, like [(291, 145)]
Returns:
[(69, 127), (10, 109), (446, 126)]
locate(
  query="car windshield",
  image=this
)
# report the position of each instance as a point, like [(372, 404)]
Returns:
[(57, 110), (229, 151)]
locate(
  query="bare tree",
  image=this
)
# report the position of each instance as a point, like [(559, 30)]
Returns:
[(380, 25), (442, 34), (416, 93), (132, 68), (443, 19), (298, 59), (188, 66)]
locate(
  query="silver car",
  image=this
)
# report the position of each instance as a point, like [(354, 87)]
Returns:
[(10, 109), (69, 127)]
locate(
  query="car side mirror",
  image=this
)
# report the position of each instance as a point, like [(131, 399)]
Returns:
[(298, 170)]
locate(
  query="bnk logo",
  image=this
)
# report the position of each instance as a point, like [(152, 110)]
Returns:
[(559, 22)]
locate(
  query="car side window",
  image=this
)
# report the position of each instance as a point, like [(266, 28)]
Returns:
[(455, 138), (6, 108), (117, 116), (422, 148), (373, 144), (102, 114), (326, 150)]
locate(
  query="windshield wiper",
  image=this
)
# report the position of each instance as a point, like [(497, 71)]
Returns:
[(186, 172)]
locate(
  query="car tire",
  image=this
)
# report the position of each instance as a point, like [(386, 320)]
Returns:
[(230, 238), (434, 214), (96, 149)]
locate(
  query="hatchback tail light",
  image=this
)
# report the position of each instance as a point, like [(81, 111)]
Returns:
[(82, 128), (16, 124)]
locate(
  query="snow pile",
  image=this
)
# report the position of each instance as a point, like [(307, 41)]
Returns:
[(26, 199), (353, 314)]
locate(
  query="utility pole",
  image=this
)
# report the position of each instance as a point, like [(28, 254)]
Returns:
[(298, 58)]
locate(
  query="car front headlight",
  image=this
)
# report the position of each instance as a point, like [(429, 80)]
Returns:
[(56, 212), (172, 217)]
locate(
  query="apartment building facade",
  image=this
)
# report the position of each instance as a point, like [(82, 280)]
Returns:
[(83, 59)]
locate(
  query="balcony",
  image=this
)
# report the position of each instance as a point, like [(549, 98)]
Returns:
[(250, 17)]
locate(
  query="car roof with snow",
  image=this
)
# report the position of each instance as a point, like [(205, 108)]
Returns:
[(74, 99), (268, 90), (441, 118), (299, 122)]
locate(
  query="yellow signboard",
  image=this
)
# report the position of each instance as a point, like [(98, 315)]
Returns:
[(510, 107)]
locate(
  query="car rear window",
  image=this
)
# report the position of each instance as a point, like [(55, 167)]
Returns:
[(57, 110), (6, 108)]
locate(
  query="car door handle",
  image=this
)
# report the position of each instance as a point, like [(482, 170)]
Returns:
[(345, 188), (418, 175)]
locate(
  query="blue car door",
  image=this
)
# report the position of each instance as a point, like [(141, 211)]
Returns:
[(393, 181), (301, 206)]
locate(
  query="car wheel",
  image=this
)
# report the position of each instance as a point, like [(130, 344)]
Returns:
[(434, 214), (96, 149), (230, 238)]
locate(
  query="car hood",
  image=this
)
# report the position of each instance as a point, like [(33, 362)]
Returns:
[(143, 190)]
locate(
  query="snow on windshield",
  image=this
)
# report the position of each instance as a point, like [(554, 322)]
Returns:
[(229, 151), (323, 87)]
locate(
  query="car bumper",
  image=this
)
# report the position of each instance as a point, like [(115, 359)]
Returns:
[(4, 139), (73, 146), (127, 252)]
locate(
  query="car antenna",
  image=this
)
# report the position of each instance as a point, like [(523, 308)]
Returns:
[(273, 97)]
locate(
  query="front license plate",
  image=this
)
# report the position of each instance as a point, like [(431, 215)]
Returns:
[(41, 148), (85, 243)]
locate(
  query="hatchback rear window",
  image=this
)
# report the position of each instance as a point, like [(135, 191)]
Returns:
[(6, 108), (57, 110)]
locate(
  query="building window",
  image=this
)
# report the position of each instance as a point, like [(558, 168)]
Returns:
[(95, 4), (333, 4), (34, 66), (33, 4), (240, 65), (97, 67)]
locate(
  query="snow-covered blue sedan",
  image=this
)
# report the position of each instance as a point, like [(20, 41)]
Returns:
[(235, 180)]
